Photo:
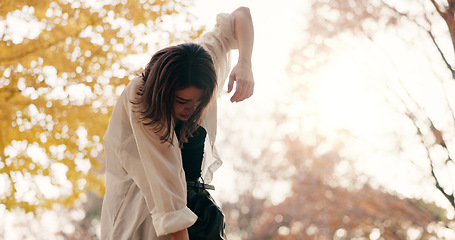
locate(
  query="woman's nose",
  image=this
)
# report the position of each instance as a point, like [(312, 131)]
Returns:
[(190, 106)]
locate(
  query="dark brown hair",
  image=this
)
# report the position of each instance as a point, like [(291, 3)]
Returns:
[(171, 69)]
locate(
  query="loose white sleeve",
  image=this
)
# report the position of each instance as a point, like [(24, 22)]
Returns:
[(159, 174), (218, 42)]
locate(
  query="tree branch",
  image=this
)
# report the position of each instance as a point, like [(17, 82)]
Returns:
[(437, 8), (449, 197), (436, 133), (442, 54), (443, 15)]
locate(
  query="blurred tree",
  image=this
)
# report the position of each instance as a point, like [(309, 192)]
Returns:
[(428, 25), (325, 202), (62, 65), (88, 228)]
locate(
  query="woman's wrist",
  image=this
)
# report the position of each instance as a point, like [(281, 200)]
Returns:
[(245, 61)]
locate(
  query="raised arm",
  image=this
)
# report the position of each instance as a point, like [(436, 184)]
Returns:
[(242, 74)]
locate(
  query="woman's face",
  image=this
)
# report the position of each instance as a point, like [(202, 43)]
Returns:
[(186, 101)]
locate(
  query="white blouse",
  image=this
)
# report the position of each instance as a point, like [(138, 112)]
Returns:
[(145, 182)]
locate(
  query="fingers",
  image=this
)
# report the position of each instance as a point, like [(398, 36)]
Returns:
[(231, 82), (242, 76), (243, 89)]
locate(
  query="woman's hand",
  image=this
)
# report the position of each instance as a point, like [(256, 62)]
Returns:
[(180, 235), (244, 82)]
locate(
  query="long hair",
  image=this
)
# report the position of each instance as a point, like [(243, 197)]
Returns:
[(169, 70)]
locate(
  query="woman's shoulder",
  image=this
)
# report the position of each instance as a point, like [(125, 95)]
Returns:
[(133, 86)]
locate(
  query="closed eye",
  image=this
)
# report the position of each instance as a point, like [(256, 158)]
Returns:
[(184, 101)]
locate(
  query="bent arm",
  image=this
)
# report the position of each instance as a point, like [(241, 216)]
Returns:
[(242, 74), (244, 32)]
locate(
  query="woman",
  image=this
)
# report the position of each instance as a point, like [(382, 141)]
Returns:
[(172, 104)]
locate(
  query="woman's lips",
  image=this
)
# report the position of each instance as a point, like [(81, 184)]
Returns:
[(184, 116)]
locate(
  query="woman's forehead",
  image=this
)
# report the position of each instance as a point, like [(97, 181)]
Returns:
[(189, 94)]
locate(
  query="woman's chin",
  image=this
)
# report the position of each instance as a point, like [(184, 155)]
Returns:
[(183, 117)]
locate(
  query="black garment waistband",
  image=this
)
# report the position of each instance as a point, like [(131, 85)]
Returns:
[(196, 184)]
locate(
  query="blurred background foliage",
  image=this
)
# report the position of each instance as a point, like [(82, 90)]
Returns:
[(329, 196), (64, 63)]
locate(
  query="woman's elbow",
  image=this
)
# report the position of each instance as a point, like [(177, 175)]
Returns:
[(242, 11)]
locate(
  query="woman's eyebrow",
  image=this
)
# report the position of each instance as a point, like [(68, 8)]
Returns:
[(183, 99)]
